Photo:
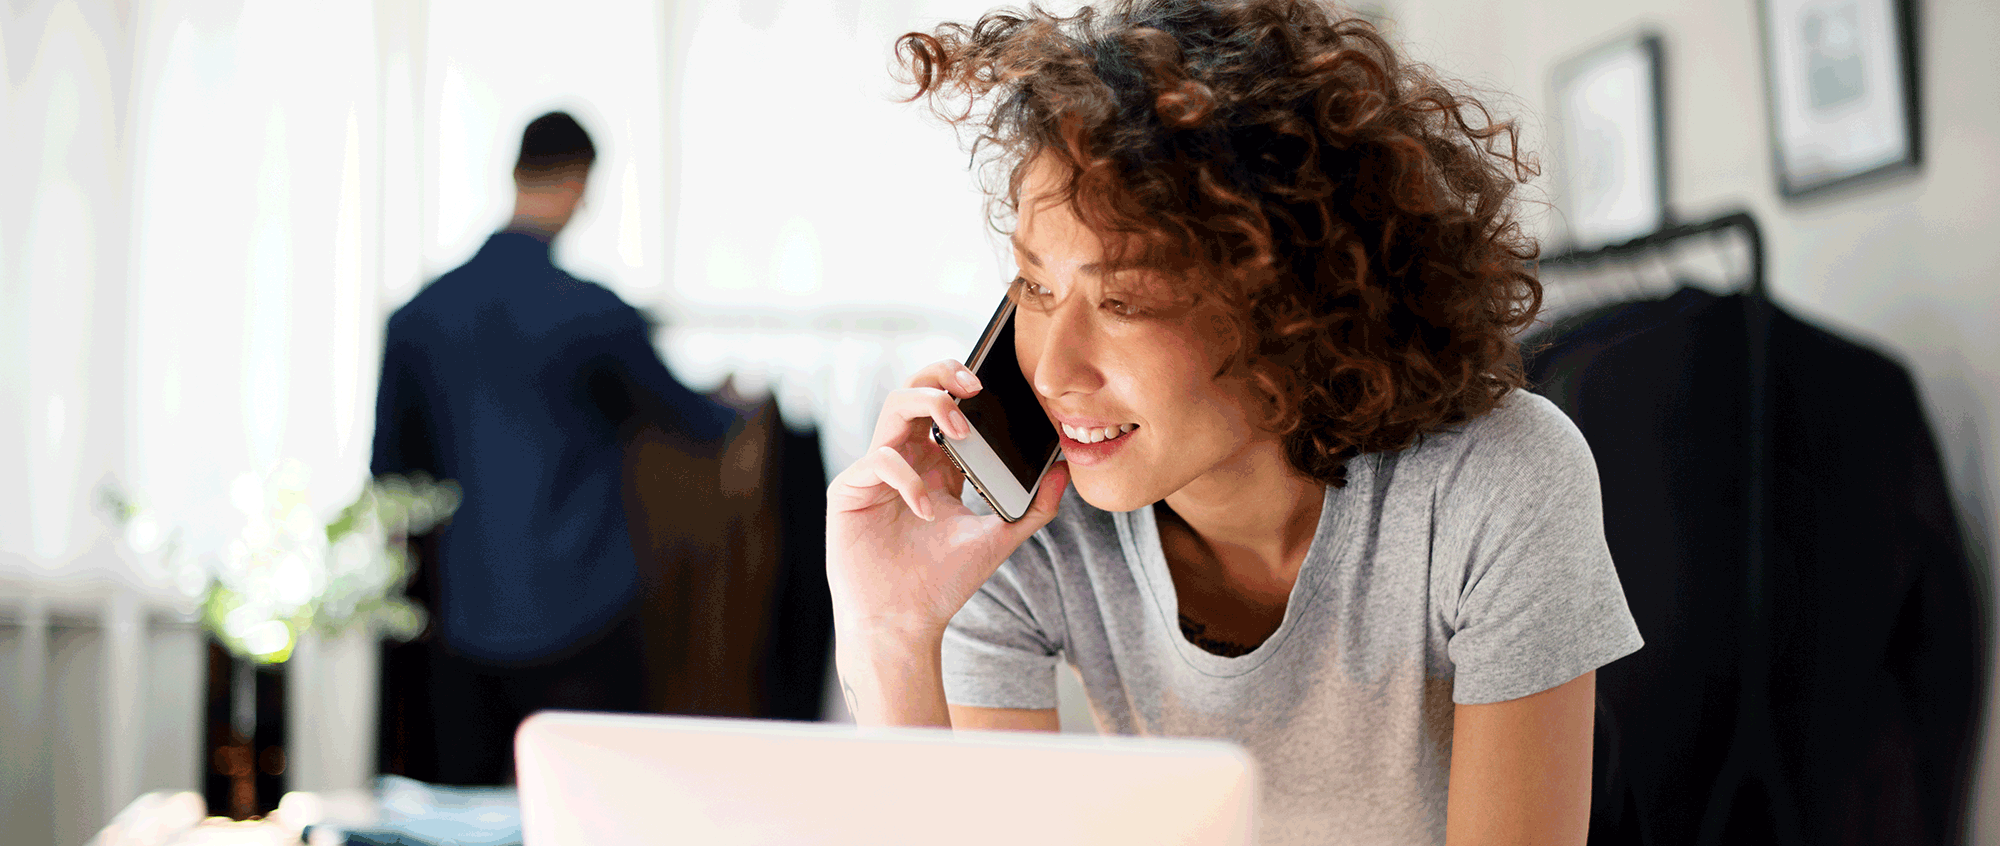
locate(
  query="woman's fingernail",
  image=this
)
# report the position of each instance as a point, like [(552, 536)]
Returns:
[(959, 423), (968, 380)]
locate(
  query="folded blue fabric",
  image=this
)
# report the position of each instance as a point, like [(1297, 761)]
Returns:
[(418, 814)]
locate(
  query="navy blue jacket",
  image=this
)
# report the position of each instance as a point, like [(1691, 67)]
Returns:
[(515, 379)]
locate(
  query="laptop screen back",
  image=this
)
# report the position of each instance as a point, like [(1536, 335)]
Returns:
[(612, 779)]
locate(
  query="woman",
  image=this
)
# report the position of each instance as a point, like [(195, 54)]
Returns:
[(1280, 265)]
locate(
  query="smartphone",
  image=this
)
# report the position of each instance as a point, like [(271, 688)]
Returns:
[(1012, 442)]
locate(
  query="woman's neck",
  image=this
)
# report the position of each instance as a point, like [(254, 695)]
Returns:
[(1255, 514)]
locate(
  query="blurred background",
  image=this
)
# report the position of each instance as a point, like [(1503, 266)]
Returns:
[(209, 208)]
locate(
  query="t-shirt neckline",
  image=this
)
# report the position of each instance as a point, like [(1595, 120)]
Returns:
[(1139, 532)]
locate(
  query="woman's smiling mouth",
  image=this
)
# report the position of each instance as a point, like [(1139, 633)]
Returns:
[(1086, 446), (1093, 434)]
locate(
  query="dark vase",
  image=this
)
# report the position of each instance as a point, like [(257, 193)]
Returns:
[(244, 735)]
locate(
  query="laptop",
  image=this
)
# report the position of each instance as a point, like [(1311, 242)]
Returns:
[(603, 779)]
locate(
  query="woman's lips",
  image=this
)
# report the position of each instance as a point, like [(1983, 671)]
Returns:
[(1084, 454), (1093, 434)]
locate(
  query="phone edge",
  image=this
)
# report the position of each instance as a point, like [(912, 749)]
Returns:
[(992, 501)]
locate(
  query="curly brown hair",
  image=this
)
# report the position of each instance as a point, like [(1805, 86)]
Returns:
[(1350, 222)]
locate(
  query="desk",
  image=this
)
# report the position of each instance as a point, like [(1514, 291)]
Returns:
[(181, 819), (399, 809)]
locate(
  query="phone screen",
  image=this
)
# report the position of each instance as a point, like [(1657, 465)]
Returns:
[(1005, 410)]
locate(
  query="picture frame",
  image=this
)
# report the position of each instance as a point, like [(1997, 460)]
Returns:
[(1610, 134), (1841, 83)]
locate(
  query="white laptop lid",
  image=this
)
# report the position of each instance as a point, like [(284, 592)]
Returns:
[(604, 779)]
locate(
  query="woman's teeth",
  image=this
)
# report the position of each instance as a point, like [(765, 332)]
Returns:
[(1091, 435)]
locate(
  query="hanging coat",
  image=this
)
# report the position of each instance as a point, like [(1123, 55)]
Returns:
[(1877, 666)]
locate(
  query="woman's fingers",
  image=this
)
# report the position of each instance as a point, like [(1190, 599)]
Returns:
[(860, 486), (1043, 509), (930, 398), (884, 465), (947, 375), (909, 405)]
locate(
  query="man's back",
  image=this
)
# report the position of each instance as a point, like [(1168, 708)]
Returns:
[(515, 378)]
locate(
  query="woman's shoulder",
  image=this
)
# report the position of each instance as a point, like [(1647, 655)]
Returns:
[(1523, 420), (1523, 440)]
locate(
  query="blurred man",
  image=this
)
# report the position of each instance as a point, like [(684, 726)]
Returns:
[(521, 382)]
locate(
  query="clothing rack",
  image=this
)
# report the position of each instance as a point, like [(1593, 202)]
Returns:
[(1740, 222), (1752, 757)]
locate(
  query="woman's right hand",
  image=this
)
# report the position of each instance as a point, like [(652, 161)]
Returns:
[(903, 554)]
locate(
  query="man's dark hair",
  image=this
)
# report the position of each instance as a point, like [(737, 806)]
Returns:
[(553, 147)]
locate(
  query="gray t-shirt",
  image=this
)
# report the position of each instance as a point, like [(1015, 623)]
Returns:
[(1469, 568)]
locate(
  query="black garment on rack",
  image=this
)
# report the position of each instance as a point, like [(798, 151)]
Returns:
[(802, 609), (1878, 664), (736, 614)]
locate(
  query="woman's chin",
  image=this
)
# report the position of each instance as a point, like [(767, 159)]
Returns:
[(1104, 492)]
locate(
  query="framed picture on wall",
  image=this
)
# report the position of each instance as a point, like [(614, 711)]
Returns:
[(1842, 82), (1610, 132)]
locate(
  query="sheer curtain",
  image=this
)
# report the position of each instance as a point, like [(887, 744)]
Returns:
[(192, 243)]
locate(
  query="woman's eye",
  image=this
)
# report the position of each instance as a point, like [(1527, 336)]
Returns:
[(1030, 289), (1121, 308)]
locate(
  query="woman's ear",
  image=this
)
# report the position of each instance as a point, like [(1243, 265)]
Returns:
[(1274, 387)]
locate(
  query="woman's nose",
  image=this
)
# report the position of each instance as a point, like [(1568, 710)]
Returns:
[(1063, 353)]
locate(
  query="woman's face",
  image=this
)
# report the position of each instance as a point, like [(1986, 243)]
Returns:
[(1105, 354)]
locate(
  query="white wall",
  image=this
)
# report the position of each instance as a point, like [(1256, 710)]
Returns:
[(1911, 266)]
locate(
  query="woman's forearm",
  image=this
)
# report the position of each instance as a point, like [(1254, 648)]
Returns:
[(892, 678)]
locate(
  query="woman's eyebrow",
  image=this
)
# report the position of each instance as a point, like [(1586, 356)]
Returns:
[(1095, 268)]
